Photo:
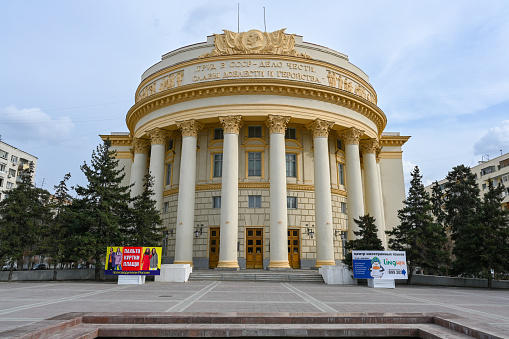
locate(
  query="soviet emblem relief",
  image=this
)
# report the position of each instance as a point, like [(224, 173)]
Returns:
[(255, 42)]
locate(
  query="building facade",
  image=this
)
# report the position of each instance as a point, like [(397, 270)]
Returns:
[(263, 149), (495, 171), (12, 162)]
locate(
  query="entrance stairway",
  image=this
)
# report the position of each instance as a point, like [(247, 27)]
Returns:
[(310, 276)]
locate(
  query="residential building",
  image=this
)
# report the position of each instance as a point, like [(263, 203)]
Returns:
[(12, 161)]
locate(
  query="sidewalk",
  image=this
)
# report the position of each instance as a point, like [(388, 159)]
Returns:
[(25, 303)]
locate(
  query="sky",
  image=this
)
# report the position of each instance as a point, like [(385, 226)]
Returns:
[(69, 69)]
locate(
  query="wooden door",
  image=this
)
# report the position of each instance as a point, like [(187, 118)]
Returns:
[(214, 247), (293, 249), (254, 248)]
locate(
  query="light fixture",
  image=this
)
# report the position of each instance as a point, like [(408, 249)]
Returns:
[(199, 230), (309, 231)]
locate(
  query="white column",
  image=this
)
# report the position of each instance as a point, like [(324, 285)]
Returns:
[(323, 204), (187, 185), (158, 138), (139, 167), (380, 199), (372, 184), (278, 206), (355, 202), (229, 226)]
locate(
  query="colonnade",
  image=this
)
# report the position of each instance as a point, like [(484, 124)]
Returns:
[(278, 196)]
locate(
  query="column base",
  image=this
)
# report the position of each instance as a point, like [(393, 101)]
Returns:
[(320, 263), (183, 262), (227, 266), (279, 265)]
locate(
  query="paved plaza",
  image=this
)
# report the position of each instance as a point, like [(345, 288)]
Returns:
[(28, 302)]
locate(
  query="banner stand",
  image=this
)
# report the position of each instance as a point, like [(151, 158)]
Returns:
[(131, 279), (381, 283)]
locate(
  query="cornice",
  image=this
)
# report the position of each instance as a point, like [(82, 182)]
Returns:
[(256, 87), (118, 140), (244, 185), (391, 140)]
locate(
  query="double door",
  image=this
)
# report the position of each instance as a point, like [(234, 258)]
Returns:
[(293, 249), (254, 248)]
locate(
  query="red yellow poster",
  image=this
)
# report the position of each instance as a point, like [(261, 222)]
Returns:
[(133, 260)]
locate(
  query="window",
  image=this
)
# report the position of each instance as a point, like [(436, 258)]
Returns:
[(218, 165), (12, 172), (487, 170), (168, 173), (254, 131), (9, 185), (216, 202), (2, 167), (339, 144), (291, 133), (254, 164), (341, 172), (505, 178), (343, 208), (14, 159), (166, 207), (218, 134), (483, 186), (170, 144), (1, 182), (255, 201), (291, 165), (291, 202), (3, 154)]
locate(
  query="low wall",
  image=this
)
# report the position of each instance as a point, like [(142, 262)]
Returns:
[(435, 280), (44, 275)]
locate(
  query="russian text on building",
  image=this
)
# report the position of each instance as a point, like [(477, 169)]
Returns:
[(263, 149)]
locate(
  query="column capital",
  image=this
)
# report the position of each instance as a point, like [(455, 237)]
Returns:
[(141, 145), (320, 128), (158, 136), (378, 153), (351, 136), (277, 123), (231, 123), (369, 146), (189, 128)]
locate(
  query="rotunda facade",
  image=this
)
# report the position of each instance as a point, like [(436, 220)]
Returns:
[(263, 149)]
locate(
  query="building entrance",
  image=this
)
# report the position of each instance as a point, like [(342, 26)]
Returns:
[(214, 247), (293, 248), (254, 248)]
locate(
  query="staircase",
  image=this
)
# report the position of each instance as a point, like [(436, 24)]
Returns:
[(257, 275)]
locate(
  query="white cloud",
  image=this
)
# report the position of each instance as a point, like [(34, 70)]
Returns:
[(33, 125), (495, 140)]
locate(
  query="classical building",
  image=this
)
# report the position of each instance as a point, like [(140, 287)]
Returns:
[(263, 149), (495, 171), (12, 162)]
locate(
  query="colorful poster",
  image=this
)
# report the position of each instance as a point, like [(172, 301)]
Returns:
[(379, 265), (133, 260)]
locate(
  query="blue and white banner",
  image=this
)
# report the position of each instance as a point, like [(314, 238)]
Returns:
[(379, 265)]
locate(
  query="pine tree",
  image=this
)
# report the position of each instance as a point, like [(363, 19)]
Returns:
[(494, 235), (23, 213), (437, 202), (56, 233), (417, 234), (145, 226), (461, 205), (104, 206), (367, 238)]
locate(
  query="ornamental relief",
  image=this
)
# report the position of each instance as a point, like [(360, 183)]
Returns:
[(277, 123), (141, 145), (158, 136), (320, 128), (231, 123), (162, 84), (351, 136), (254, 42), (338, 81), (369, 146), (189, 128)]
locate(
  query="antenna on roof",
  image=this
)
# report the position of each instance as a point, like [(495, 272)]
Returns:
[(238, 17), (264, 22)]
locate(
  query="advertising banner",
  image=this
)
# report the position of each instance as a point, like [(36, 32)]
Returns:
[(379, 265), (133, 260)]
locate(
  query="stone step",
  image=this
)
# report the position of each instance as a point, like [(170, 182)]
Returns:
[(273, 277)]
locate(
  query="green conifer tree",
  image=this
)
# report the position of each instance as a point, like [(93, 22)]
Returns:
[(417, 234), (104, 206), (22, 215), (367, 238)]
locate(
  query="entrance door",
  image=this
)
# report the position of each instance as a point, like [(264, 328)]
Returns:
[(293, 249), (254, 248), (214, 247)]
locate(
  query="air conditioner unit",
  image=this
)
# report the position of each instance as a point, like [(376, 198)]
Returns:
[(9, 176)]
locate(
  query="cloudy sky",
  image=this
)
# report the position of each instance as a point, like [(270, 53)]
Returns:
[(69, 69)]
